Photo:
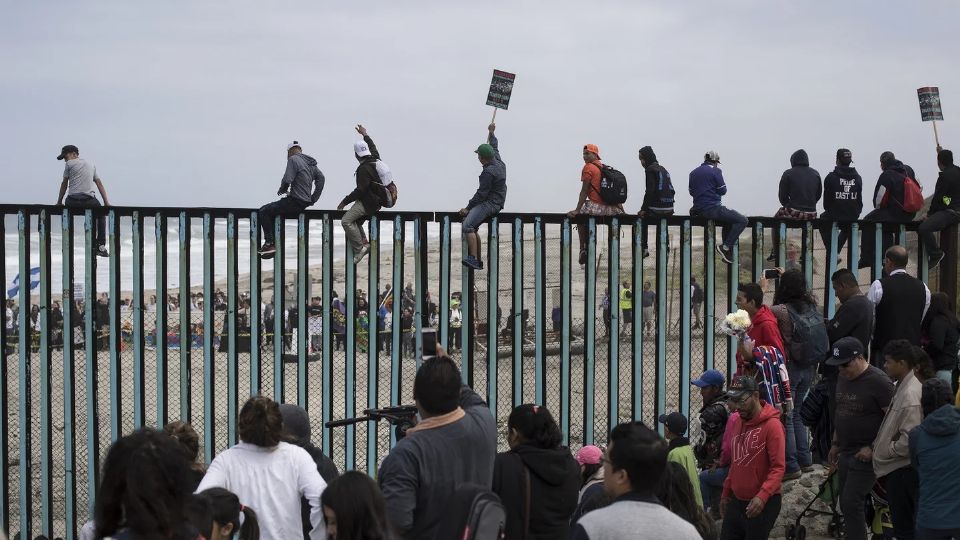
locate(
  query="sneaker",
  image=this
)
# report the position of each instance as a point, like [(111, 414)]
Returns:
[(935, 261), (268, 251), (772, 257), (793, 476), (472, 262), (807, 468), (725, 253), (646, 253), (583, 257), (361, 254), (102, 252)]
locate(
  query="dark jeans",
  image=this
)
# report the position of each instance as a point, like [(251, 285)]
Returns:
[(456, 334), (85, 201), (937, 534), (287, 207), (651, 220), (934, 224), (843, 232), (856, 479), (887, 221), (711, 486), (798, 454), (737, 526), (903, 488), (733, 222)]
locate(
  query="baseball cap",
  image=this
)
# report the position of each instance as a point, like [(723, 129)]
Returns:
[(712, 155), (675, 422), (292, 145), (592, 148), (711, 377), (66, 150), (844, 154), (742, 386), (843, 350), (361, 149), (485, 151), (589, 455)]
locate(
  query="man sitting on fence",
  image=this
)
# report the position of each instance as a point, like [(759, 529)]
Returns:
[(707, 187), (302, 184), (453, 444), (79, 179), (800, 191), (944, 206), (488, 200)]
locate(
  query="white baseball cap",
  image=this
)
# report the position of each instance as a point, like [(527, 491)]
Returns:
[(712, 155), (293, 144), (361, 149)]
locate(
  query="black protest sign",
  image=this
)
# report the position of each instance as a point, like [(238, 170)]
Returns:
[(930, 103), (500, 89)]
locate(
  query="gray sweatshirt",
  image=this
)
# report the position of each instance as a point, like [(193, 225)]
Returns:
[(420, 475), (302, 179)]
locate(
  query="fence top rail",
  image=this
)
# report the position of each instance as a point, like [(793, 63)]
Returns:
[(386, 215)]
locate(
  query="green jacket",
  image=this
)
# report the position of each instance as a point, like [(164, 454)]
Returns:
[(682, 453)]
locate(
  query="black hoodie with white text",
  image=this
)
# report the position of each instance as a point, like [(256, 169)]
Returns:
[(843, 194)]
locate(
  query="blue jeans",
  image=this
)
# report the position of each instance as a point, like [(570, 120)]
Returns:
[(733, 222), (711, 485), (798, 440), (478, 214)]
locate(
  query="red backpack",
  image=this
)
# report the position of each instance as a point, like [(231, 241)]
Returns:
[(912, 195)]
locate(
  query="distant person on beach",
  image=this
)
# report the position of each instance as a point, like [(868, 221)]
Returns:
[(842, 198), (365, 197), (944, 206), (489, 198), (800, 190), (888, 200), (590, 202), (707, 188), (659, 194), (79, 179), (302, 183)]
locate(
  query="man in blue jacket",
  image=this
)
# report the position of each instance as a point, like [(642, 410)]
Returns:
[(488, 200), (935, 454), (707, 187)]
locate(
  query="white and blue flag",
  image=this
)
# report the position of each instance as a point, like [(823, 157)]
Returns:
[(34, 282)]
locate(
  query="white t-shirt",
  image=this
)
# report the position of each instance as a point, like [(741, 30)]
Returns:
[(9, 317), (271, 481), (79, 175)]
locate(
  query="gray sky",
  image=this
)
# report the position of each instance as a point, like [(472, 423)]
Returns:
[(191, 104)]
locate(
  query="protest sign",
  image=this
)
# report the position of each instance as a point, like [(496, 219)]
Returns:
[(500, 89), (930, 110)]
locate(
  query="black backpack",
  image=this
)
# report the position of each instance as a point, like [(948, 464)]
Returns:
[(809, 344), (613, 185), (475, 513)]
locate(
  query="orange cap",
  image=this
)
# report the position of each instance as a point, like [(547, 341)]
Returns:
[(592, 148)]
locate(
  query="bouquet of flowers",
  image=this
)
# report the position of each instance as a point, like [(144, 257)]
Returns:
[(735, 324)]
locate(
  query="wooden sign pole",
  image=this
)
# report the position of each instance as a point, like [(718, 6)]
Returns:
[(936, 136), (494, 119)]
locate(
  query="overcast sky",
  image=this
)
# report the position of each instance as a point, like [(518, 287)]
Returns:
[(189, 103)]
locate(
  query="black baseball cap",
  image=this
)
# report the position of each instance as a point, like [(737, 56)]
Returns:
[(844, 350), (68, 149), (675, 422), (741, 387), (844, 154)]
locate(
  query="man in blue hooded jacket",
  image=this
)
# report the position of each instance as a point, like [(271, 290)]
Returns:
[(489, 198), (707, 187), (935, 454)]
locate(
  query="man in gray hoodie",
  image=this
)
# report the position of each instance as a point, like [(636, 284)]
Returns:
[(302, 184)]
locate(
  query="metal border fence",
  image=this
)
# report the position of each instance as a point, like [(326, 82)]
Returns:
[(58, 398)]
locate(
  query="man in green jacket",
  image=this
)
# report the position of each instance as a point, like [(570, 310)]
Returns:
[(674, 429)]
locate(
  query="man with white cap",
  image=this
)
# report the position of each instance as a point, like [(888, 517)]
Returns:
[(302, 184), (707, 188), (79, 179), (366, 201)]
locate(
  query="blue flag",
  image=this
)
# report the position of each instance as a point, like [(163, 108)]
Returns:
[(34, 282)]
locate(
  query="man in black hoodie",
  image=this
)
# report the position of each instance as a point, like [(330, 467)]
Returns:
[(944, 206), (800, 191), (842, 198), (301, 175), (658, 197), (365, 197), (888, 207)]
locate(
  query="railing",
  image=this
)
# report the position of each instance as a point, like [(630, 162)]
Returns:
[(63, 400)]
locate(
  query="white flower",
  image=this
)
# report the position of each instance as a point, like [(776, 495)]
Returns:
[(735, 324)]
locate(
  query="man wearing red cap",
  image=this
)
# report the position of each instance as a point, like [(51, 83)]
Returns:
[(590, 203)]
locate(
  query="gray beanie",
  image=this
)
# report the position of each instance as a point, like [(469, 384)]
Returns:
[(296, 422)]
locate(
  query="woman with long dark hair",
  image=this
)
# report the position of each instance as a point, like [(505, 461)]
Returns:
[(941, 333), (537, 480), (144, 490), (269, 474), (353, 509), (676, 493), (793, 304)]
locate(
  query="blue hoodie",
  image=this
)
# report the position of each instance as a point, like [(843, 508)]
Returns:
[(706, 187), (935, 454)]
